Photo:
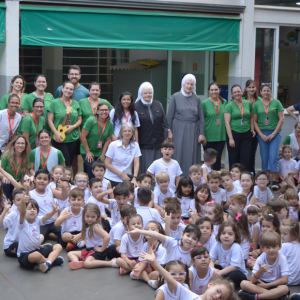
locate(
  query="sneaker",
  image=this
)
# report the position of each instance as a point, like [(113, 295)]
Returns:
[(58, 262), (45, 245), (70, 246), (134, 277), (246, 296), (114, 264), (295, 296), (74, 265), (153, 284), (44, 267), (275, 186)]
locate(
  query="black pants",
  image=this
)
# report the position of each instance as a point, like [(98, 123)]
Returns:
[(69, 150), (236, 276), (12, 250), (241, 153), (218, 146), (253, 152)]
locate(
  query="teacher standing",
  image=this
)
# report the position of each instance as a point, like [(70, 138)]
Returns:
[(186, 124)]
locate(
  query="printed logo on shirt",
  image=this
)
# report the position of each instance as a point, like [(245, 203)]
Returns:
[(74, 224), (225, 258), (179, 258), (200, 289), (34, 232)]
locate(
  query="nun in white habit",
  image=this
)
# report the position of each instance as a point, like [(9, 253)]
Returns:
[(186, 121), (153, 125)]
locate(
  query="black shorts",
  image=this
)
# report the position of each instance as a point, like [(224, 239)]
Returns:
[(12, 250), (99, 255), (64, 244), (23, 258), (112, 252), (50, 228)]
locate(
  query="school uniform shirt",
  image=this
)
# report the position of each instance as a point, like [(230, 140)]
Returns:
[(44, 201), (199, 285), (10, 223), (159, 196), (118, 125), (131, 248), (29, 235), (93, 137), (175, 252), (5, 127), (122, 158), (263, 196), (210, 243), (181, 293), (294, 214), (233, 256), (235, 191), (219, 196), (116, 233), (186, 204), (135, 203), (178, 232), (95, 240), (115, 214), (204, 166), (148, 214), (286, 166), (172, 168), (248, 199), (237, 183), (62, 204), (251, 227), (101, 205), (201, 181), (216, 230), (160, 254), (52, 185), (291, 251), (245, 247), (73, 224), (277, 270), (105, 183), (87, 192)]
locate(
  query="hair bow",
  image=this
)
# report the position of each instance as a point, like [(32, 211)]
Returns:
[(238, 216), (250, 206), (210, 202), (195, 246)]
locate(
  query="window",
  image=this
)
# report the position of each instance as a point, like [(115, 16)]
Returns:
[(277, 3)]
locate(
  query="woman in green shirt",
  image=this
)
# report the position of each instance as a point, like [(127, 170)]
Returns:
[(40, 83), (215, 132), (268, 119), (239, 128), (65, 109), (32, 124), (89, 105), (15, 162), (95, 137)]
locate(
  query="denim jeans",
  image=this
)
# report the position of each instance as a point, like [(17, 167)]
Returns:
[(88, 166)]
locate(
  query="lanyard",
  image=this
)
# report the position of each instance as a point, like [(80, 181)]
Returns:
[(92, 106), (266, 110), (250, 101), (65, 104), (102, 130), (36, 125), (242, 111), (20, 99), (217, 111), (44, 165), (13, 121), (126, 117), (35, 93), (17, 171)]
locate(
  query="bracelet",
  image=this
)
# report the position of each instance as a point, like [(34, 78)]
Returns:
[(255, 276), (273, 133)]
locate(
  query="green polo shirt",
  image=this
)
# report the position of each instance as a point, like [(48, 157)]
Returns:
[(4, 100), (60, 156)]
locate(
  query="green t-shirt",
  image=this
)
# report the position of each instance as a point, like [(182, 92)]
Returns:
[(4, 100), (5, 165), (275, 108), (214, 132), (58, 109), (27, 125), (87, 110), (28, 100), (236, 116), (60, 156), (258, 99), (93, 136)]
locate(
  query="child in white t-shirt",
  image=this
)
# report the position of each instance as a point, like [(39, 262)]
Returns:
[(237, 201), (206, 227), (218, 195), (280, 208), (254, 224), (214, 212), (196, 174), (287, 166), (209, 157), (236, 171), (82, 182), (292, 197), (144, 180), (57, 172), (98, 169), (270, 271)]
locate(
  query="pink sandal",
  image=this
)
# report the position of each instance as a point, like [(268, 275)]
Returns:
[(74, 265)]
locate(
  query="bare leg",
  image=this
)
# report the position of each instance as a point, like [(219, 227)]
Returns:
[(144, 275), (51, 236), (91, 263), (139, 268), (124, 265), (41, 238), (36, 257), (74, 255), (154, 275), (290, 181), (66, 237), (55, 253)]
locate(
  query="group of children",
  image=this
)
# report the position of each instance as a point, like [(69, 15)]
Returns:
[(190, 238)]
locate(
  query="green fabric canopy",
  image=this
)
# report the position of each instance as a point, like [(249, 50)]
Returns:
[(2, 22), (124, 29)]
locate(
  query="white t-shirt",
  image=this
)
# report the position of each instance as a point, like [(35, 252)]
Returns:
[(193, 207), (44, 201), (121, 158), (298, 165), (10, 222), (116, 233), (160, 253), (182, 293), (204, 166), (148, 214), (219, 196), (52, 185), (293, 214), (186, 203), (178, 232), (29, 235), (199, 285), (231, 257), (118, 125), (251, 227), (115, 214), (245, 247), (201, 181), (235, 191), (105, 183), (277, 270), (172, 168), (175, 252), (291, 251), (263, 197), (101, 205), (131, 248), (159, 196), (210, 243), (216, 230), (237, 183), (74, 224), (285, 166), (62, 204), (135, 203), (95, 240)]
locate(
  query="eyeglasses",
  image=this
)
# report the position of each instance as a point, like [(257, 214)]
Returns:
[(206, 256), (178, 274), (20, 144), (39, 107), (73, 74), (82, 181)]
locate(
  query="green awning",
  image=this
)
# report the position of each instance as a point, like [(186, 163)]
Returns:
[(2, 22), (127, 29)]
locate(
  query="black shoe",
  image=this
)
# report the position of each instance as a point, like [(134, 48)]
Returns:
[(246, 296), (295, 296), (275, 186)]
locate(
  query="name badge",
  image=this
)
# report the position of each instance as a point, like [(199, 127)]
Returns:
[(20, 112), (99, 145), (267, 121), (242, 122), (10, 136), (68, 122), (218, 122), (37, 142)]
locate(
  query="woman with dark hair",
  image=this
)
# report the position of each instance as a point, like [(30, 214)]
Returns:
[(64, 118), (17, 87), (239, 128), (32, 124), (124, 111), (215, 132), (95, 137), (89, 105)]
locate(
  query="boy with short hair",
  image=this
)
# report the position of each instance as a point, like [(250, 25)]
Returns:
[(218, 195), (166, 164), (270, 271), (236, 171), (144, 180), (98, 169), (196, 174), (262, 194), (283, 189), (209, 157), (238, 201), (279, 207), (82, 182), (230, 188), (147, 213)]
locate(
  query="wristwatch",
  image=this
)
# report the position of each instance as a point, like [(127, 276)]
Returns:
[(273, 133)]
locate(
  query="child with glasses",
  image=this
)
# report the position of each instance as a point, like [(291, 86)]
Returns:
[(82, 182)]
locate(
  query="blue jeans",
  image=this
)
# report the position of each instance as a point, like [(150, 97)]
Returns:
[(269, 151), (8, 189), (88, 166)]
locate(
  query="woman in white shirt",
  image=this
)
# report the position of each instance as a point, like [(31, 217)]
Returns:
[(120, 155)]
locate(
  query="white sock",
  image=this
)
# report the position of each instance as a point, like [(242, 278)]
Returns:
[(49, 262), (80, 244)]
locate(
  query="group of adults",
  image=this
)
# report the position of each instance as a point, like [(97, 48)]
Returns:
[(40, 131)]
